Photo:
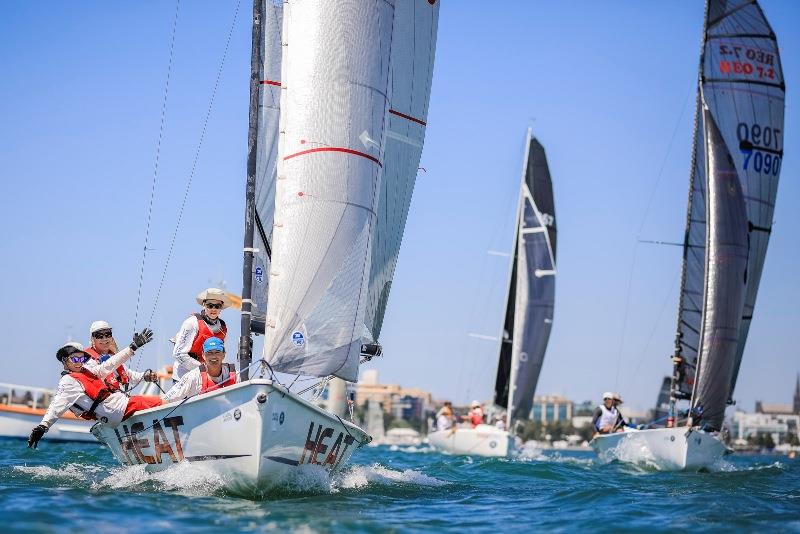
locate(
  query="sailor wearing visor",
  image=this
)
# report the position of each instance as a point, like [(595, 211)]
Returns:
[(195, 330), (82, 391)]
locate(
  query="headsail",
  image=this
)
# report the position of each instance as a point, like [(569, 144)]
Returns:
[(742, 83), (726, 279), (412, 55), (333, 115), (532, 288), (266, 156)]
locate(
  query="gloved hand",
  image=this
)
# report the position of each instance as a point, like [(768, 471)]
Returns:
[(36, 434), (150, 376), (140, 340)]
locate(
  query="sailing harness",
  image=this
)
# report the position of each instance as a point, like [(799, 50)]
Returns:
[(118, 379), (94, 388)]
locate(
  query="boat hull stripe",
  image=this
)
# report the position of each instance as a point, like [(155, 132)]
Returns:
[(282, 460), (206, 457)]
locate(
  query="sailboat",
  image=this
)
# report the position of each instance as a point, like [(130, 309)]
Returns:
[(529, 313), (339, 97), (736, 159)]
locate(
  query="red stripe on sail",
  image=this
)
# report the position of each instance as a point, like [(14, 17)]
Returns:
[(334, 149), (270, 82), (408, 117)]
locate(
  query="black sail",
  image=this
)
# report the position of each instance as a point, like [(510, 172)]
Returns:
[(726, 280)]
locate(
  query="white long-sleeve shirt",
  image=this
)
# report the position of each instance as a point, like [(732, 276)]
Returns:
[(183, 344), (71, 392), (134, 377), (192, 384)]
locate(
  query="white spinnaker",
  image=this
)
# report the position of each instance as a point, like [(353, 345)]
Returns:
[(412, 56), (266, 154), (333, 115)]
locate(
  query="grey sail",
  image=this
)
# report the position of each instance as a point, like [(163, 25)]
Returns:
[(412, 56), (266, 156), (726, 280), (743, 88), (745, 92), (531, 296)]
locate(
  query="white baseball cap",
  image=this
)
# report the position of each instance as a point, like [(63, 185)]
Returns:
[(99, 325), (608, 395)]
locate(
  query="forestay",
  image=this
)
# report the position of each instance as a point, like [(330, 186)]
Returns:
[(743, 87), (726, 279), (532, 288), (266, 155), (333, 114), (412, 56)]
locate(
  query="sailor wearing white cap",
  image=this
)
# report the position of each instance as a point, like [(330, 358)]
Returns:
[(188, 351), (606, 416), (101, 347)]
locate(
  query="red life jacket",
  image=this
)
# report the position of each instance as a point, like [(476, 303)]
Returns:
[(204, 332), (94, 388), (117, 379), (208, 383), (476, 417)]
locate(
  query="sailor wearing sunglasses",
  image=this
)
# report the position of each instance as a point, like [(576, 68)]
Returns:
[(199, 327), (82, 391), (102, 347)]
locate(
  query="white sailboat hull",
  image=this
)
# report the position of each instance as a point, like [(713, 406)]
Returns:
[(483, 440), (667, 449), (254, 435), (18, 424)]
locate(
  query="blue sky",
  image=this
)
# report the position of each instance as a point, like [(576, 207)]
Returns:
[(608, 88)]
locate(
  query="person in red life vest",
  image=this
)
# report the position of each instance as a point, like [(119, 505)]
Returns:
[(102, 347), (475, 416), (210, 376), (188, 351), (82, 391)]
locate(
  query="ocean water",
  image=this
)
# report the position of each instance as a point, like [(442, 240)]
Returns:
[(81, 488)]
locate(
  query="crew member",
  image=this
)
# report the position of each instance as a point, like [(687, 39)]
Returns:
[(475, 416), (82, 391), (444, 417), (621, 422), (606, 416), (500, 424), (210, 376), (102, 347), (188, 351)]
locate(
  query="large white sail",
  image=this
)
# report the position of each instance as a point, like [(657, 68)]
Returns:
[(742, 85), (334, 104), (266, 155), (412, 55)]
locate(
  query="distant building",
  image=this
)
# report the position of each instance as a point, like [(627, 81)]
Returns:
[(551, 408), (403, 403), (779, 426)]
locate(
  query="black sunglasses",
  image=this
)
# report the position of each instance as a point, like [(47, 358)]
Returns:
[(102, 335), (212, 306)]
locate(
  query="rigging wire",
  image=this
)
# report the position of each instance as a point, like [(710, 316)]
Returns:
[(155, 165), (639, 233)]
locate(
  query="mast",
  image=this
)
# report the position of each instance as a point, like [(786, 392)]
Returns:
[(245, 341)]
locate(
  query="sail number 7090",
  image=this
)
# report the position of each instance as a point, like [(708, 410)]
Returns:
[(760, 147)]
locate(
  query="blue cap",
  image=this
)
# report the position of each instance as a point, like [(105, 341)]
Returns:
[(213, 343)]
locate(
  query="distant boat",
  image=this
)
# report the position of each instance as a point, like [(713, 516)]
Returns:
[(529, 313), (736, 160), (337, 122), (22, 408)]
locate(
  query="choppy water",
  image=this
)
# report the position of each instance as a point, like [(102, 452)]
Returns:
[(71, 487)]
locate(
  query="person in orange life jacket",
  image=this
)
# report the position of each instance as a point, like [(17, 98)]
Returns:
[(188, 351), (102, 347), (210, 376), (82, 391)]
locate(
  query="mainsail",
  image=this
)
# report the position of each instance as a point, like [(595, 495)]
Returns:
[(266, 155), (741, 84), (412, 55), (531, 296), (335, 82)]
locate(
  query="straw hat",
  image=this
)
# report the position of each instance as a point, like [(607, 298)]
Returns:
[(212, 293)]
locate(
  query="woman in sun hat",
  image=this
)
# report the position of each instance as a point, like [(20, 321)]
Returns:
[(188, 351)]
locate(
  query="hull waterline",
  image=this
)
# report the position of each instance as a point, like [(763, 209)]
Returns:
[(667, 449), (255, 435)]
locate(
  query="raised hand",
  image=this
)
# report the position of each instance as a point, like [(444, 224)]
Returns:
[(141, 339)]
